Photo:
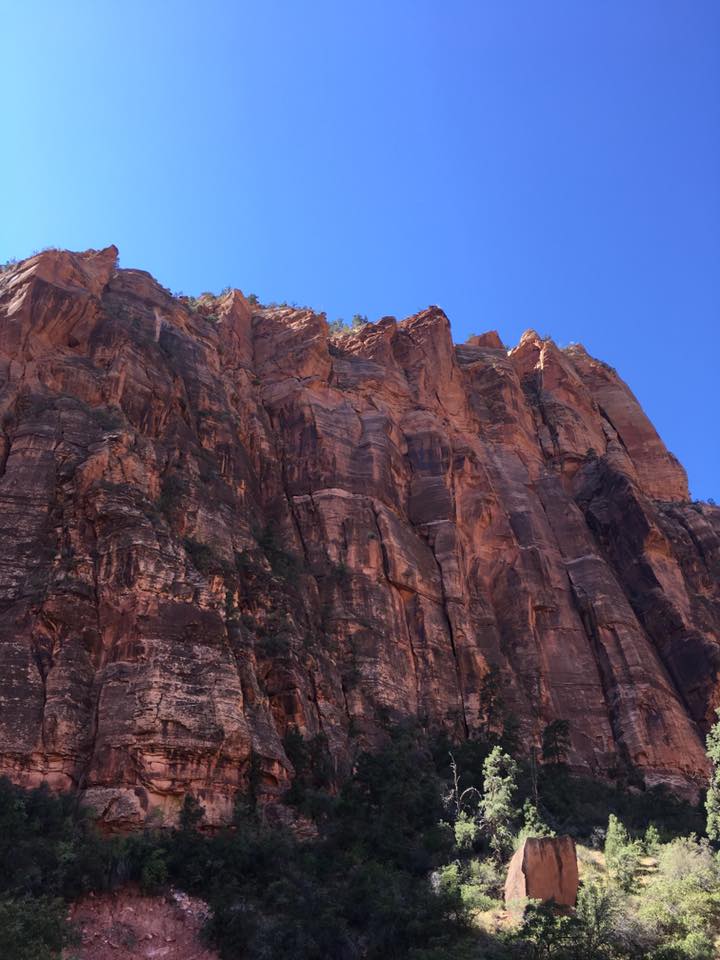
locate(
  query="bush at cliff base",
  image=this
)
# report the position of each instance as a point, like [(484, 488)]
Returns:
[(386, 877)]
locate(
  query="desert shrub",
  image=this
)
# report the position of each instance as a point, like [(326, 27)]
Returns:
[(33, 928), (712, 800), (467, 831), (688, 857), (622, 854), (272, 645), (546, 933), (481, 884), (205, 559), (338, 327), (476, 883), (312, 764), (282, 563), (680, 907), (154, 872), (174, 487)]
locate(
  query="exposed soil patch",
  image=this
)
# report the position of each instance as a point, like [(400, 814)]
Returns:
[(126, 925)]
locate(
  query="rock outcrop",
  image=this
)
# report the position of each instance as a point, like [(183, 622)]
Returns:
[(220, 524), (542, 868)]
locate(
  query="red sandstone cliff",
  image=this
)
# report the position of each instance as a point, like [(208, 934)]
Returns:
[(218, 523)]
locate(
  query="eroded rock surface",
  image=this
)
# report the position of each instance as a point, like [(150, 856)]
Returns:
[(543, 868), (219, 524)]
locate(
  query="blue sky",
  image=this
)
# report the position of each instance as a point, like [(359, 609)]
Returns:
[(519, 162)]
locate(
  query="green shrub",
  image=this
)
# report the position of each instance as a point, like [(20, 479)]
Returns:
[(32, 928), (174, 487), (282, 563), (205, 559), (481, 886), (467, 831), (622, 855), (680, 907), (154, 873), (312, 764)]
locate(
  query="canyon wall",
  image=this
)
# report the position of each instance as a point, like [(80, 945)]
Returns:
[(220, 524)]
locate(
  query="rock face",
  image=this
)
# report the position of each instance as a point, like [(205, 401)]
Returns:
[(220, 525), (543, 868)]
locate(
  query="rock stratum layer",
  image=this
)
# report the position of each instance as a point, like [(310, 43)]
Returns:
[(219, 524)]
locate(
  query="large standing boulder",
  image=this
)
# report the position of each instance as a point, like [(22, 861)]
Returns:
[(543, 868)]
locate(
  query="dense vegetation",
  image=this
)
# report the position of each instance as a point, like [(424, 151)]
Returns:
[(408, 862)]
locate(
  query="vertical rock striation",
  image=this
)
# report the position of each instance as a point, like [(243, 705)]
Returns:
[(219, 524), (542, 868)]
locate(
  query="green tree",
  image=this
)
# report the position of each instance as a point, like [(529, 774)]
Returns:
[(621, 854), (597, 915), (191, 813), (491, 703), (466, 827), (651, 841), (712, 800), (533, 824), (556, 742), (496, 807), (154, 872), (545, 933)]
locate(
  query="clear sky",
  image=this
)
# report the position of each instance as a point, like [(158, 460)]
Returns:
[(544, 163)]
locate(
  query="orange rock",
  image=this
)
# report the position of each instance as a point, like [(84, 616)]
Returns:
[(218, 524), (543, 868)]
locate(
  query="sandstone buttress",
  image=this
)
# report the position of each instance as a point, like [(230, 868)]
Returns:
[(218, 524)]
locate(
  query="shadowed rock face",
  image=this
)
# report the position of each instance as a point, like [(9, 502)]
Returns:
[(218, 524)]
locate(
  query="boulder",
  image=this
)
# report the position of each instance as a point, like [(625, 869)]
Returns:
[(543, 868)]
